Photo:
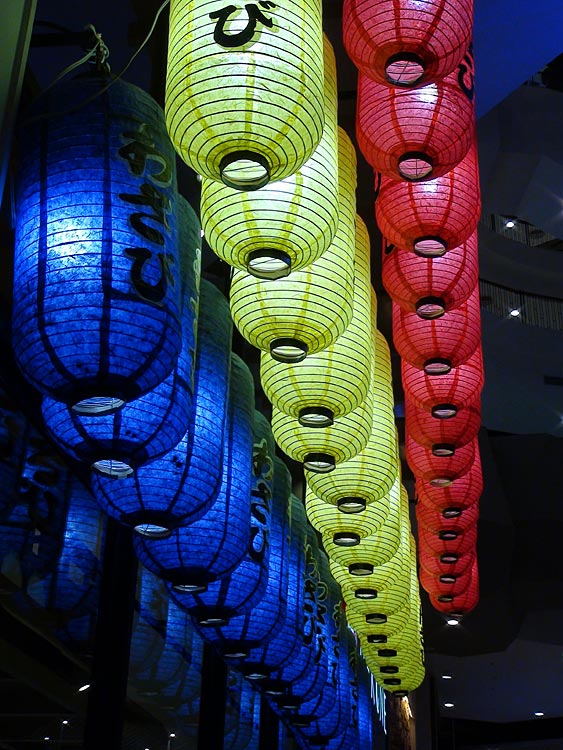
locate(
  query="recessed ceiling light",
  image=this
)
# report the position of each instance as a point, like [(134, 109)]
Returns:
[(509, 224), (514, 313), (452, 621), (171, 734), (83, 688), (47, 739), (539, 713), (446, 677), (65, 723), (448, 705)]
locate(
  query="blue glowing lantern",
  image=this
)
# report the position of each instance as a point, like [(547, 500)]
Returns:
[(193, 556), (96, 294), (235, 638), (182, 485), (116, 438), (239, 592), (12, 434), (149, 627), (186, 715), (243, 704)]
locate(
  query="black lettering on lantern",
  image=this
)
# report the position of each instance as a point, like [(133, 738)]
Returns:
[(240, 38), (160, 205), (260, 516), (466, 74), (154, 293), (140, 149)]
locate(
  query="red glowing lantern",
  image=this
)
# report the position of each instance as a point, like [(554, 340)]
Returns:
[(452, 563), (446, 540), (462, 492), (440, 344), (430, 286), (446, 584), (452, 517), (414, 134), (461, 604), (406, 42), (445, 426), (434, 216), (460, 386), (441, 468)]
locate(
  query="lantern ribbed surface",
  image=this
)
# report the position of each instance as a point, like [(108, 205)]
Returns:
[(410, 278), (405, 644), (463, 492), (336, 379), (244, 88), (328, 520), (142, 429), (407, 43), (431, 542), (436, 345), (96, 245), (446, 563), (444, 586), (321, 448), (439, 470), (180, 486), (237, 593), (434, 216), (369, 476), (414, 134), (462, 385), (311, 308), (366, 619), (214, 545), (241, 633), (285, 226), (456, 518), (462, 603), (429, 430)]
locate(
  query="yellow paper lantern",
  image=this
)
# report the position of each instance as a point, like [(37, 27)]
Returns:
[(345, 529), (330, 384), (244, 88), (321, 449), (306, 311), (369, 476), (368, 620), (288, 224)]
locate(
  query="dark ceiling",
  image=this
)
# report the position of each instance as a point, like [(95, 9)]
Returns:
[(506, 659)]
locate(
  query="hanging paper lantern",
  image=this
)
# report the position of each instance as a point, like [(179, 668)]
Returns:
[(116, 441), (330, 384), (407, 641), (436, 346), (440, 465), (434, 216), (405, 43), (448, 539), (246, 708), (458, 387), (346, 529), (305, 312), (444, 429), (180, 487), (192, 556), (445, 584), (369, 476), (460, 604), (288, 225), (430, 286), (234, 638), (462, 492), (446, 563), (366, 619), (96, 246), (237, 593), (455, 518), (415, 134), (244, 89)]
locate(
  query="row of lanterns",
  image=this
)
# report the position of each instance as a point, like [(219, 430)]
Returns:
[(416, 127), (186, 461)]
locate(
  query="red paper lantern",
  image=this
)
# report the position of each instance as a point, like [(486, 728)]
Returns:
[(446, 427), (460, 386), (434, 216), (451, 563), (414, 134), (459, 519), (430, 286), (439, 471), (463, 603), (446, 540), (463, 492), (406, 42), (440, 344), (445, 585)]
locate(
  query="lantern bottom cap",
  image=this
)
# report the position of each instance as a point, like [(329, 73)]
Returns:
[(443, 450), (97, 406), (244, 170), (444, 411), (346, 539), (351, 504), (360, 569), (190, 588), (321, 463), (268, 264), (404, 69), (441, 482), (152, 530), (109, 467), (415, 166), (316, 416), (437, 366), (430, 246), (376, 638), (365, 593), (288, 350), (430, 308)]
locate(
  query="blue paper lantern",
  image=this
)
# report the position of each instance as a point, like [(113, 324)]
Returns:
[(149, 627), (181, 486), (117, 441), (208, 549), (12, 436), (243, 708), (96, 295), (239, 592), (240, 634)]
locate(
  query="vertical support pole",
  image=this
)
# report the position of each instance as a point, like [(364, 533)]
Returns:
[(213, 700), (268, 738), (110, 667)]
